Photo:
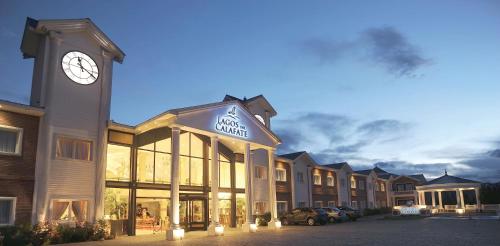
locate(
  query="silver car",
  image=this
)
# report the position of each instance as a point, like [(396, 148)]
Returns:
[(335, 214)]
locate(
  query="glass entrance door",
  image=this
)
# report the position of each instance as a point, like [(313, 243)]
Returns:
[(192, 214)]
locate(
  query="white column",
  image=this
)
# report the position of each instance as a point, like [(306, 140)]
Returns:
[(249, 225), (462, 202), (434, 199), (440, 200), (274, 223), (457, 192), (175, 232), (215, 229), (292, 183), (309, 185), (478, 202)]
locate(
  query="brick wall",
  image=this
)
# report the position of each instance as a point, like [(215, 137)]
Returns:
[(17, 172)]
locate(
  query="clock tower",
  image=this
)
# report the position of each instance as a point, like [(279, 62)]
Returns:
[(73, 64)]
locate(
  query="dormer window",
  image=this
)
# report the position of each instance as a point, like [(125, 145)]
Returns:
[(260, 119)]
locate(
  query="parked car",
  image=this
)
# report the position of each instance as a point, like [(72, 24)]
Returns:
[(335, 214), (309, 216), (352, 213)]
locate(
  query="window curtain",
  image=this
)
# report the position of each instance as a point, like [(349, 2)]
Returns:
[(64, 148), (5, 211), (8, 141), (79, 209), (58, 209), (82, 150)]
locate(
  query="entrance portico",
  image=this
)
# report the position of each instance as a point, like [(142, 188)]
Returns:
[(226, 124)]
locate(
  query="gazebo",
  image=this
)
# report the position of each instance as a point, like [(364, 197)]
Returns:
[(450, 194)]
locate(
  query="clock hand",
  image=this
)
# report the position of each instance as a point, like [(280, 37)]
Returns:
[(87, 71)]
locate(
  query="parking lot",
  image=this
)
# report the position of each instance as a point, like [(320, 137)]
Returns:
[(367, 231)]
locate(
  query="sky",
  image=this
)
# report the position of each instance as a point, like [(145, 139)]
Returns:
[(408, 86)]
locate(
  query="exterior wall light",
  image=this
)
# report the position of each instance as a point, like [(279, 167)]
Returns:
[(219, 230)]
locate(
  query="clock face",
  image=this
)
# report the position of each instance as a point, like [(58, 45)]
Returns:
[(80, 68)]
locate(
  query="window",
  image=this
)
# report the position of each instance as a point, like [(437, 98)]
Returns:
[(318, 204), (116, 203), (240, 175), (282, 207), (281, 174), (331, 203), (377, 187), (224, 173), (330, 181), (7, 210), (260, 172), (317, 179), (409, 187), (301, 204), (361, 185), (69, 210), (191, 160), (382, 187), (353, 183), (11, 139), (260, 119), (70, 148), (118, 163), (260, 207), (354, 204), (300, 177)]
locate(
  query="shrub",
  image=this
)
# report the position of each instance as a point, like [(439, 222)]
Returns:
[(263, 219), (374, 211), (45, 233)]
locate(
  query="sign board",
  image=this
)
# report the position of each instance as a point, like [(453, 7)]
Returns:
[(230, 123)]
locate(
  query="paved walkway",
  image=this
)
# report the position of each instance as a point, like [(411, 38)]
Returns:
[(367, 231)]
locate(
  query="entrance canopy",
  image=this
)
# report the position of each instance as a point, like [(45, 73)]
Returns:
[(229, 120)]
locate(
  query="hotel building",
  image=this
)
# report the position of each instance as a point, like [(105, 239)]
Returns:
[(62, 159)]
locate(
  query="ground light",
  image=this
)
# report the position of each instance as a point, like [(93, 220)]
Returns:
[(460, 211), (175, 234), (249, 227)]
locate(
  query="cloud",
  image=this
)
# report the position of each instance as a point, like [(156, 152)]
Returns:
[(385, 46), (332, 137)]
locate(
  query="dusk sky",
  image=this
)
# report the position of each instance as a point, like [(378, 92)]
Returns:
[(411, 86)]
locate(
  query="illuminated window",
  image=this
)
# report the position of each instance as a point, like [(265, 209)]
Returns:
[(7, 210), (224, 174), (353, 183), (116, 203), (69, 210), (260, 207), (118, 163), (300, 177), (76, 149), (317, 179), (260, 172), (382, 187), (240, 175), (281, 174), (191, 160), (10, 140), (153, 162), (330, 181), (260, 119)]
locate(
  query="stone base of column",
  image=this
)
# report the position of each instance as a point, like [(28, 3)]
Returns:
[(248, 227), (175, 233), (215, 230), (274, 224)]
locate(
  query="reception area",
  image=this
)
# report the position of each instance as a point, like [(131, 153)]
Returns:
[(161, 174)]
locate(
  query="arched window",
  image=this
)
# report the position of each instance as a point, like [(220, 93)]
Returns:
[(260, 119)]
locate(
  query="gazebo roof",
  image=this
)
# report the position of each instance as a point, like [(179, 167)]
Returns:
[(448, 179)]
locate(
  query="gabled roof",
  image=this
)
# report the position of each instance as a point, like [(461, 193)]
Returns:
[(260, 99), (34, 29), (364, 172), (336, 165), (379, 170), (292, 156), (420, 177), (448, 179)]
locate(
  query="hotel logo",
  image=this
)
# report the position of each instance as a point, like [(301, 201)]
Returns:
[(230, 123)]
